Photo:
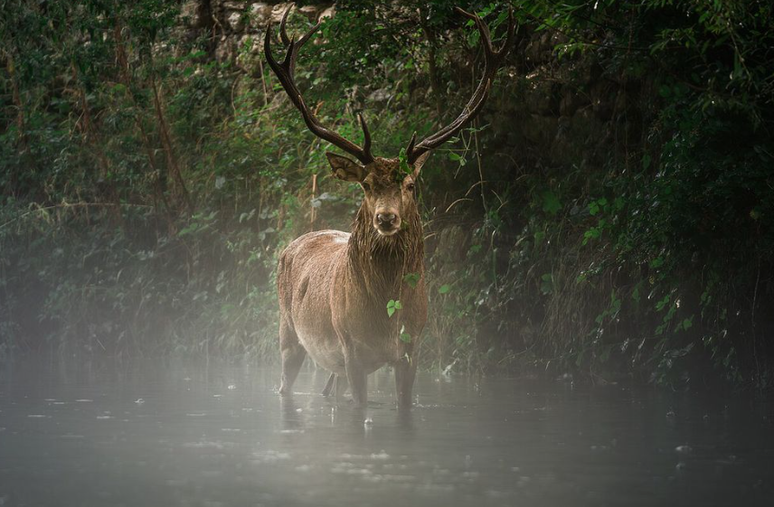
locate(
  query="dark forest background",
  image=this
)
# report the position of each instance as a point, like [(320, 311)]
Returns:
[(609, 214)]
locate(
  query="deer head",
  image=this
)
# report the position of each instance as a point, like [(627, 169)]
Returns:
[(388, 183)]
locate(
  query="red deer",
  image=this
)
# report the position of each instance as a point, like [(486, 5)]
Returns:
[(334, 287)]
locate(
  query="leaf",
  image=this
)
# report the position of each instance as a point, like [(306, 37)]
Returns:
[(551, 204), (412, 279), (443, 289), (661, 304), (404, 336), (636, 293), (392, 306), (646, 161), (403, 162)]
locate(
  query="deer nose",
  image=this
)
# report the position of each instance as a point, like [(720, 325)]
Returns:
[(385, 218)]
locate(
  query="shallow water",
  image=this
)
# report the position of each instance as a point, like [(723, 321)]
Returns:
[(176, 434)]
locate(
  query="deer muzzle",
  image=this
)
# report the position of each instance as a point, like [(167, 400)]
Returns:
[(387, 223)]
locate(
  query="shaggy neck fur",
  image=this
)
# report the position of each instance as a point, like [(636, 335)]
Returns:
[(382, 261)]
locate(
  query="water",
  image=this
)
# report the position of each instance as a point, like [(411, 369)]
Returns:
[(175, 434)]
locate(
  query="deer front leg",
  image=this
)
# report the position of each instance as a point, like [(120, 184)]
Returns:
[(293, 354), (357, 378), (405, 371), (340, 387)]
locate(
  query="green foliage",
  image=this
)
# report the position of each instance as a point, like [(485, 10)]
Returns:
[(393, 305), (610, 212)]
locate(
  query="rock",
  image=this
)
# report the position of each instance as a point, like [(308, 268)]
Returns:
[(310, 11), (234, 6), (278, 10), (194, 14), (260, 14), (380, 95), (250, 43), (226, 49), (328, 13), (235, 20), (248, 48)]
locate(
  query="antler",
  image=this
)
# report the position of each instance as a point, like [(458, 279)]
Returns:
[(285, 72), (493, 59)]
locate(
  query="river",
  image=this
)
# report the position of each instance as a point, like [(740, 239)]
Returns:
[(174, 433)]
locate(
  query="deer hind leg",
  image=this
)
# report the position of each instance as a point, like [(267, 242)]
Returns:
[(293, 354), (329, 385)]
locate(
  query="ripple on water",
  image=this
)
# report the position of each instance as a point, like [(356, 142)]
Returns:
[(270, 456), (208, 444)]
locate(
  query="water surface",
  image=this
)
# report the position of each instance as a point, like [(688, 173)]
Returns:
[(152, 433)]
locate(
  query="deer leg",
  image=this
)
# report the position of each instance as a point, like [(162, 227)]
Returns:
[(329, 385), (357, 379), (340, 387), (293, 354), (405, 371)]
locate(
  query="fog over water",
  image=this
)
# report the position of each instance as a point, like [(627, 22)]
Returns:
[(155, 433)]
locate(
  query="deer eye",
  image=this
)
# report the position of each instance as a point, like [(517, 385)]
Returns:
[(410, 187), (366, 186)]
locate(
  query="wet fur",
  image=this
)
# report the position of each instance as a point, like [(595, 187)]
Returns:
[(333, 293)]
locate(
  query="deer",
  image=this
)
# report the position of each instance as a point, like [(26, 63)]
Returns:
[(335, 288)]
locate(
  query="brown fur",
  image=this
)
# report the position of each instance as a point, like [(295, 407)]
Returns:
[(334, 287)]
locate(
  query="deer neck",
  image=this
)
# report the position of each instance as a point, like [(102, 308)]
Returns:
[(378, 262)]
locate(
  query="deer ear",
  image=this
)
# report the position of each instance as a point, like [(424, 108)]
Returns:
[(345, 169), (419, 163)]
